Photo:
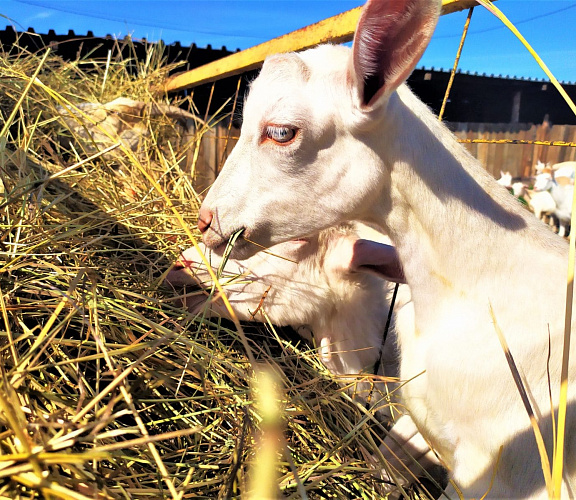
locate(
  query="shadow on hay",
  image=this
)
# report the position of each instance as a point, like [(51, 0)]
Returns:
[(61, 240)]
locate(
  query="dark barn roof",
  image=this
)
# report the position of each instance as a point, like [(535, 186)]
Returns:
[(494, 99)]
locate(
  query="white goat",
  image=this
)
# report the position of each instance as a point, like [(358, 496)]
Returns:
[(331, 135), (563, 172), (540, 166), (321, 288), (312, 285), (540, 202), (562, 196), (505, 179)]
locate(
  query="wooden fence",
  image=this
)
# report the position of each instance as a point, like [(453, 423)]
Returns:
[(518, 159)]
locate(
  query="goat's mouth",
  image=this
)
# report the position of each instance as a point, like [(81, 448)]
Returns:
[(217, 241), (219, 249), (237, 245)]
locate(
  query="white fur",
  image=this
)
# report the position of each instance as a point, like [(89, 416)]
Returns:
[(467, 248), (505, 179), (307, 285), (562, 196), (564, 170), (540, 202), (346, 312)]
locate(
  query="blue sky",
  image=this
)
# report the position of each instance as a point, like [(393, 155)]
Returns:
[(549, 25)]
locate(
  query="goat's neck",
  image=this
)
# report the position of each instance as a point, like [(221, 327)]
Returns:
[(446, 213)]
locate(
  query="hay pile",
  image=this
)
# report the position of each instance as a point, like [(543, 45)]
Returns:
[(108, 388)]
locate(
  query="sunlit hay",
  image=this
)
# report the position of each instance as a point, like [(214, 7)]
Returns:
[(108, 388)]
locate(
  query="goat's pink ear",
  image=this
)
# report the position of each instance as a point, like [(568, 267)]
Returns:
[(390, 39), (377, 258)]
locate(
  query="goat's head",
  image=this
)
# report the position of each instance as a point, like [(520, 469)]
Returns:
[(295, 280), (505, 179), (310, 118), (543, 181), (325, 283)]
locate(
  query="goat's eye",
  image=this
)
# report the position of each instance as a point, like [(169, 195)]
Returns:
[(280, 134)]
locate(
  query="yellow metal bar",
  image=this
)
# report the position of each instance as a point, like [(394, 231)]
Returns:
[(518, 141), (336, 29)]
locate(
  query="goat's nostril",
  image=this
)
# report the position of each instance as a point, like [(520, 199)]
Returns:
[(204, 220)]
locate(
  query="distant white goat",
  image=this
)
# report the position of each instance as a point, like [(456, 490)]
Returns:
[(324, 286), (540, 166), (98, 126), (331, 134), (540, 202), (505, 179), (563, 172), (562, 195)]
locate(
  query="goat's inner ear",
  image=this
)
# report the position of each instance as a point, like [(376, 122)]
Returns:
[(390, 39), (372, 85), (377, 258)]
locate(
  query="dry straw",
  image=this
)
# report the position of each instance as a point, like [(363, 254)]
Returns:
[(108, 389)]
